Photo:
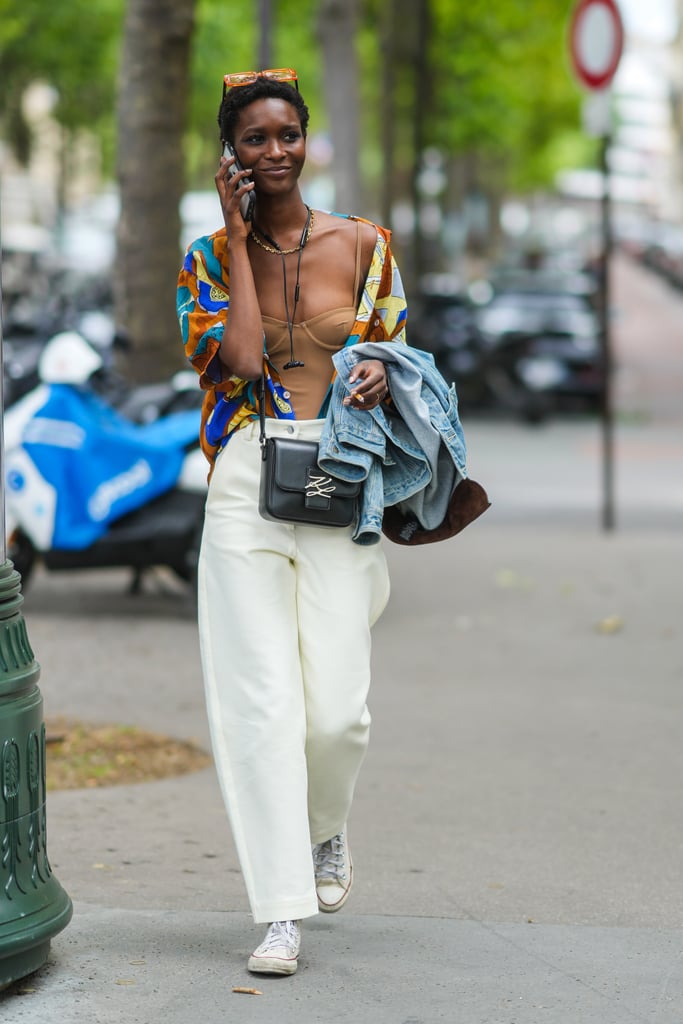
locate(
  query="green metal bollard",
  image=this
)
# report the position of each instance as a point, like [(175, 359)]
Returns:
[(33, 905)]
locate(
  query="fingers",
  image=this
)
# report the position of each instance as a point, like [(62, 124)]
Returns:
[(368, 386), (231, 185), (372, 396)]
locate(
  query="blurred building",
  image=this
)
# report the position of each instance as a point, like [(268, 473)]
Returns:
[(647, 144), (646, 118), (677, 95)]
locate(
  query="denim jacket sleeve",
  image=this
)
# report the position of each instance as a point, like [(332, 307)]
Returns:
[(417, 456)]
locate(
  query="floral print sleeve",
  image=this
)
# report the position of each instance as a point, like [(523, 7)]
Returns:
[(203, 299)]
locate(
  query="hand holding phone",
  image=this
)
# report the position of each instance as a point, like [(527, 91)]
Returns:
[(248, 200)]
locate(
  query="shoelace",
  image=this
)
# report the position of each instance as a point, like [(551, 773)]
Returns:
[(280, 933), (328, 859)]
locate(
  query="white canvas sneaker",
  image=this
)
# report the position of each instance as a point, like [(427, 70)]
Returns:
[(278, 952), (333, 872)]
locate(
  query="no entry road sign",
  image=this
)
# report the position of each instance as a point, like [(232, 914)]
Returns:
[(596, 41)]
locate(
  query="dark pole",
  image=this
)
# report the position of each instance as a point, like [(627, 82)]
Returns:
[(33, 905), (3, 518), (265, 51), (608, 517)]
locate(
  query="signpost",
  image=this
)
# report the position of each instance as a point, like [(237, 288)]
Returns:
[(596, 40)]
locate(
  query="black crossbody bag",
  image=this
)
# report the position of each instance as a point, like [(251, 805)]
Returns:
[(293, 487)]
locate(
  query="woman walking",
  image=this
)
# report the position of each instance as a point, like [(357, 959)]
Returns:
[(285, 611)]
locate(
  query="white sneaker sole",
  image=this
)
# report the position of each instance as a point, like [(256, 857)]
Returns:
[(271, 965)]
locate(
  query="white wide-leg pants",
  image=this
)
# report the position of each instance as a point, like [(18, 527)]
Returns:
[(284, 623)]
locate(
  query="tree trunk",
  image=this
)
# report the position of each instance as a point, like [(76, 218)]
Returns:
[(265, 44), (388, 113), (421, 104), (153, 88), (337, 23), (405, 108)]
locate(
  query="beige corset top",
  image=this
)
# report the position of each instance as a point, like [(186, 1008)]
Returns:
[(315, 342)]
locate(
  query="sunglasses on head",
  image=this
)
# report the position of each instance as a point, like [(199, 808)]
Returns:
[(249, 77)]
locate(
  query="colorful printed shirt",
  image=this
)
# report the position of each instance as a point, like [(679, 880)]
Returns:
[(202, 303)]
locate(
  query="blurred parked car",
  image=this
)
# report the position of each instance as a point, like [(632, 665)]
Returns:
[(543, 348), (656, 244), (529, 345), (664, 253), (444, 323)]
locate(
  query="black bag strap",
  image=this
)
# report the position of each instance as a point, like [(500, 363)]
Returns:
[(262, 412)]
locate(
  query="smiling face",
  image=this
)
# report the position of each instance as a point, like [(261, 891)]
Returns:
[(269, 139)]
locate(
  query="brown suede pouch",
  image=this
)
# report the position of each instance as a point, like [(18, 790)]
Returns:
[(468, 501)]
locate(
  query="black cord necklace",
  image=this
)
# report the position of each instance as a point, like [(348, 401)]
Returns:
[(305, 235)]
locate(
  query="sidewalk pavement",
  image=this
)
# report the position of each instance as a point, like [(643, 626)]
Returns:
[(518, 827)]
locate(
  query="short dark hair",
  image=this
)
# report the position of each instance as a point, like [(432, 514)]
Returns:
[(239, 97)]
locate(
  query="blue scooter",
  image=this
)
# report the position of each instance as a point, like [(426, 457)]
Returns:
[(86, 487)]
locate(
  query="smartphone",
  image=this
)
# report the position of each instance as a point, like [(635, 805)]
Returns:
[(248, 200)]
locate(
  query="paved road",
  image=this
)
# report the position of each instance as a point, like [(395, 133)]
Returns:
[(517, 830), (648, 344), (557, 472), (518, 827)]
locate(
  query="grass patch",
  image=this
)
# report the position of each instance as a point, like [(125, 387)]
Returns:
[(81, 755)]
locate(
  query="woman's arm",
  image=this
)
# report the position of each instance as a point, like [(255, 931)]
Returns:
[(241, 348)]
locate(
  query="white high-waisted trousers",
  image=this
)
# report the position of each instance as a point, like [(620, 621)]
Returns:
[(284, 623)]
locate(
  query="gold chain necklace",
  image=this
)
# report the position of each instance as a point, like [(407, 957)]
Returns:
[(275, 247)]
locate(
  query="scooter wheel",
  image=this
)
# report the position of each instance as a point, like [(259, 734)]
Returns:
[(22, 554)]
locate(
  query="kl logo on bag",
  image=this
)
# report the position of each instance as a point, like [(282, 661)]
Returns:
[(319, 489)]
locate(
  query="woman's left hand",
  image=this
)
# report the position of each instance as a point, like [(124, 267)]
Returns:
[(369, 385)]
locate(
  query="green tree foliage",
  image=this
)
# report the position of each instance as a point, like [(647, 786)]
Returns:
[(500, 85), (487, 84), (72, 45), (225, 39)]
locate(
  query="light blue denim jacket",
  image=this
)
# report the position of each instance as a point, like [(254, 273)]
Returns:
[(413, 453)]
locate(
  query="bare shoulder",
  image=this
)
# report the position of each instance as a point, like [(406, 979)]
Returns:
[(346, 227), (343, 231)]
